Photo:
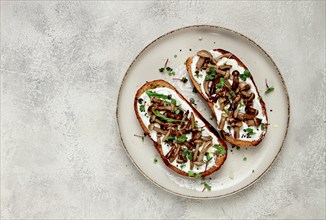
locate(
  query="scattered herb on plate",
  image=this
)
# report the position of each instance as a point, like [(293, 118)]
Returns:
[(206, 186), (155, 160), (269, 88)]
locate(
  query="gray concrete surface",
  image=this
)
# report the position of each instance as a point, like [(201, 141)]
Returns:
[(61, 67)]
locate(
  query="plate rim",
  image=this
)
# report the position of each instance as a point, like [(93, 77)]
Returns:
[(287, 125)]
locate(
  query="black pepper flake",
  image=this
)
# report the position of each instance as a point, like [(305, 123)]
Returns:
[(231, 151), (180, 50), (210, 178), (214, 42), (197, 168), (189, 49), (271, 110), (140, 100), (169, 96)]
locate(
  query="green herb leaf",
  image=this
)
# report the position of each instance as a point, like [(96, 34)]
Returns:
[(158, 114), (171, 73), (206, 186), (184, 80), (142, 108), (232, 94), (160, 96), (262, 126), (185, 151), (191, 173), (170, 138), (198, 175), (211, 75), (161, 69), (192, 101), (241, 104), (220, 149), (190, 155), (208, 157), (194, 90), (226, 111), (269, 90), (142, 138), (175, 56), (182, 139), (169, 68), (182, 165), (245, 75), (249, 131), (220, 84), (212, 116), (155, 161), (245, 159)]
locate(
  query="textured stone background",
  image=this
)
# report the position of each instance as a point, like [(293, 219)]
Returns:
[(61, 67)]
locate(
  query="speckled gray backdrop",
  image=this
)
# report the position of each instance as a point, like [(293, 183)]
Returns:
[(61, 67)]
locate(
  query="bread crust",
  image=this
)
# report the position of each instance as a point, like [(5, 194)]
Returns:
[(227, 137), (161, 83)]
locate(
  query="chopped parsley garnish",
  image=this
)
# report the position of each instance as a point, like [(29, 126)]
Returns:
[(226, 111), (198, 175), (191, 173), (262, 126), (212, 74), (190, 155), (209, 77), (182, 139), (208, 158), (185, 151), (220, 84), (241, 104), (245, 75), (184, 80), (142, 138), (169, 68), (249, 131), (220, 149), (206, 186), (175, 56), (171, 73), (269, 90), (170, 138), (194, 90), (176, 110), (237, 147), (155, 161), (142, 108), (182, 165), (245, 159), (212, 116), (161, 69), (232, 94)]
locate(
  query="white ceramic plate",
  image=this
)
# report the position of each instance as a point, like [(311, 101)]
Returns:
[(236, 173)]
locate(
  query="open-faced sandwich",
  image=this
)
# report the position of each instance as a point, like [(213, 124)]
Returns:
[(186, 142), (230, 91)]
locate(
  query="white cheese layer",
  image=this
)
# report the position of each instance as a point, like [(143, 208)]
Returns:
[(165, 146), (256, 103)]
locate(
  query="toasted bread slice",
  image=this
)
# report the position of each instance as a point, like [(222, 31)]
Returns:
[(227, 86), (186, 142)]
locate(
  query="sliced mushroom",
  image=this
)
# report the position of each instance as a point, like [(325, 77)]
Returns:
[(227, 74), (250, 122), (251, 111), (257, 121), (204, 150), (228, 55), (236, 112), (196, 151), (237, 99), (175, 154), (156, 100), (165, 107), (247, 116), (245, 94), (235, 82), (200, 63), (227, 85), (192, 119), (166, 135), (204, 54), (152, 118), (169, 154), (206, 83), (151, 127), (225, 67), (245, 86), (236, 124), (198, 164), (158, 136), (188, 145), (191, 165), (159, 130), (196, 135), (222, 121), (206, 138), (236, 132), (251, 97)]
